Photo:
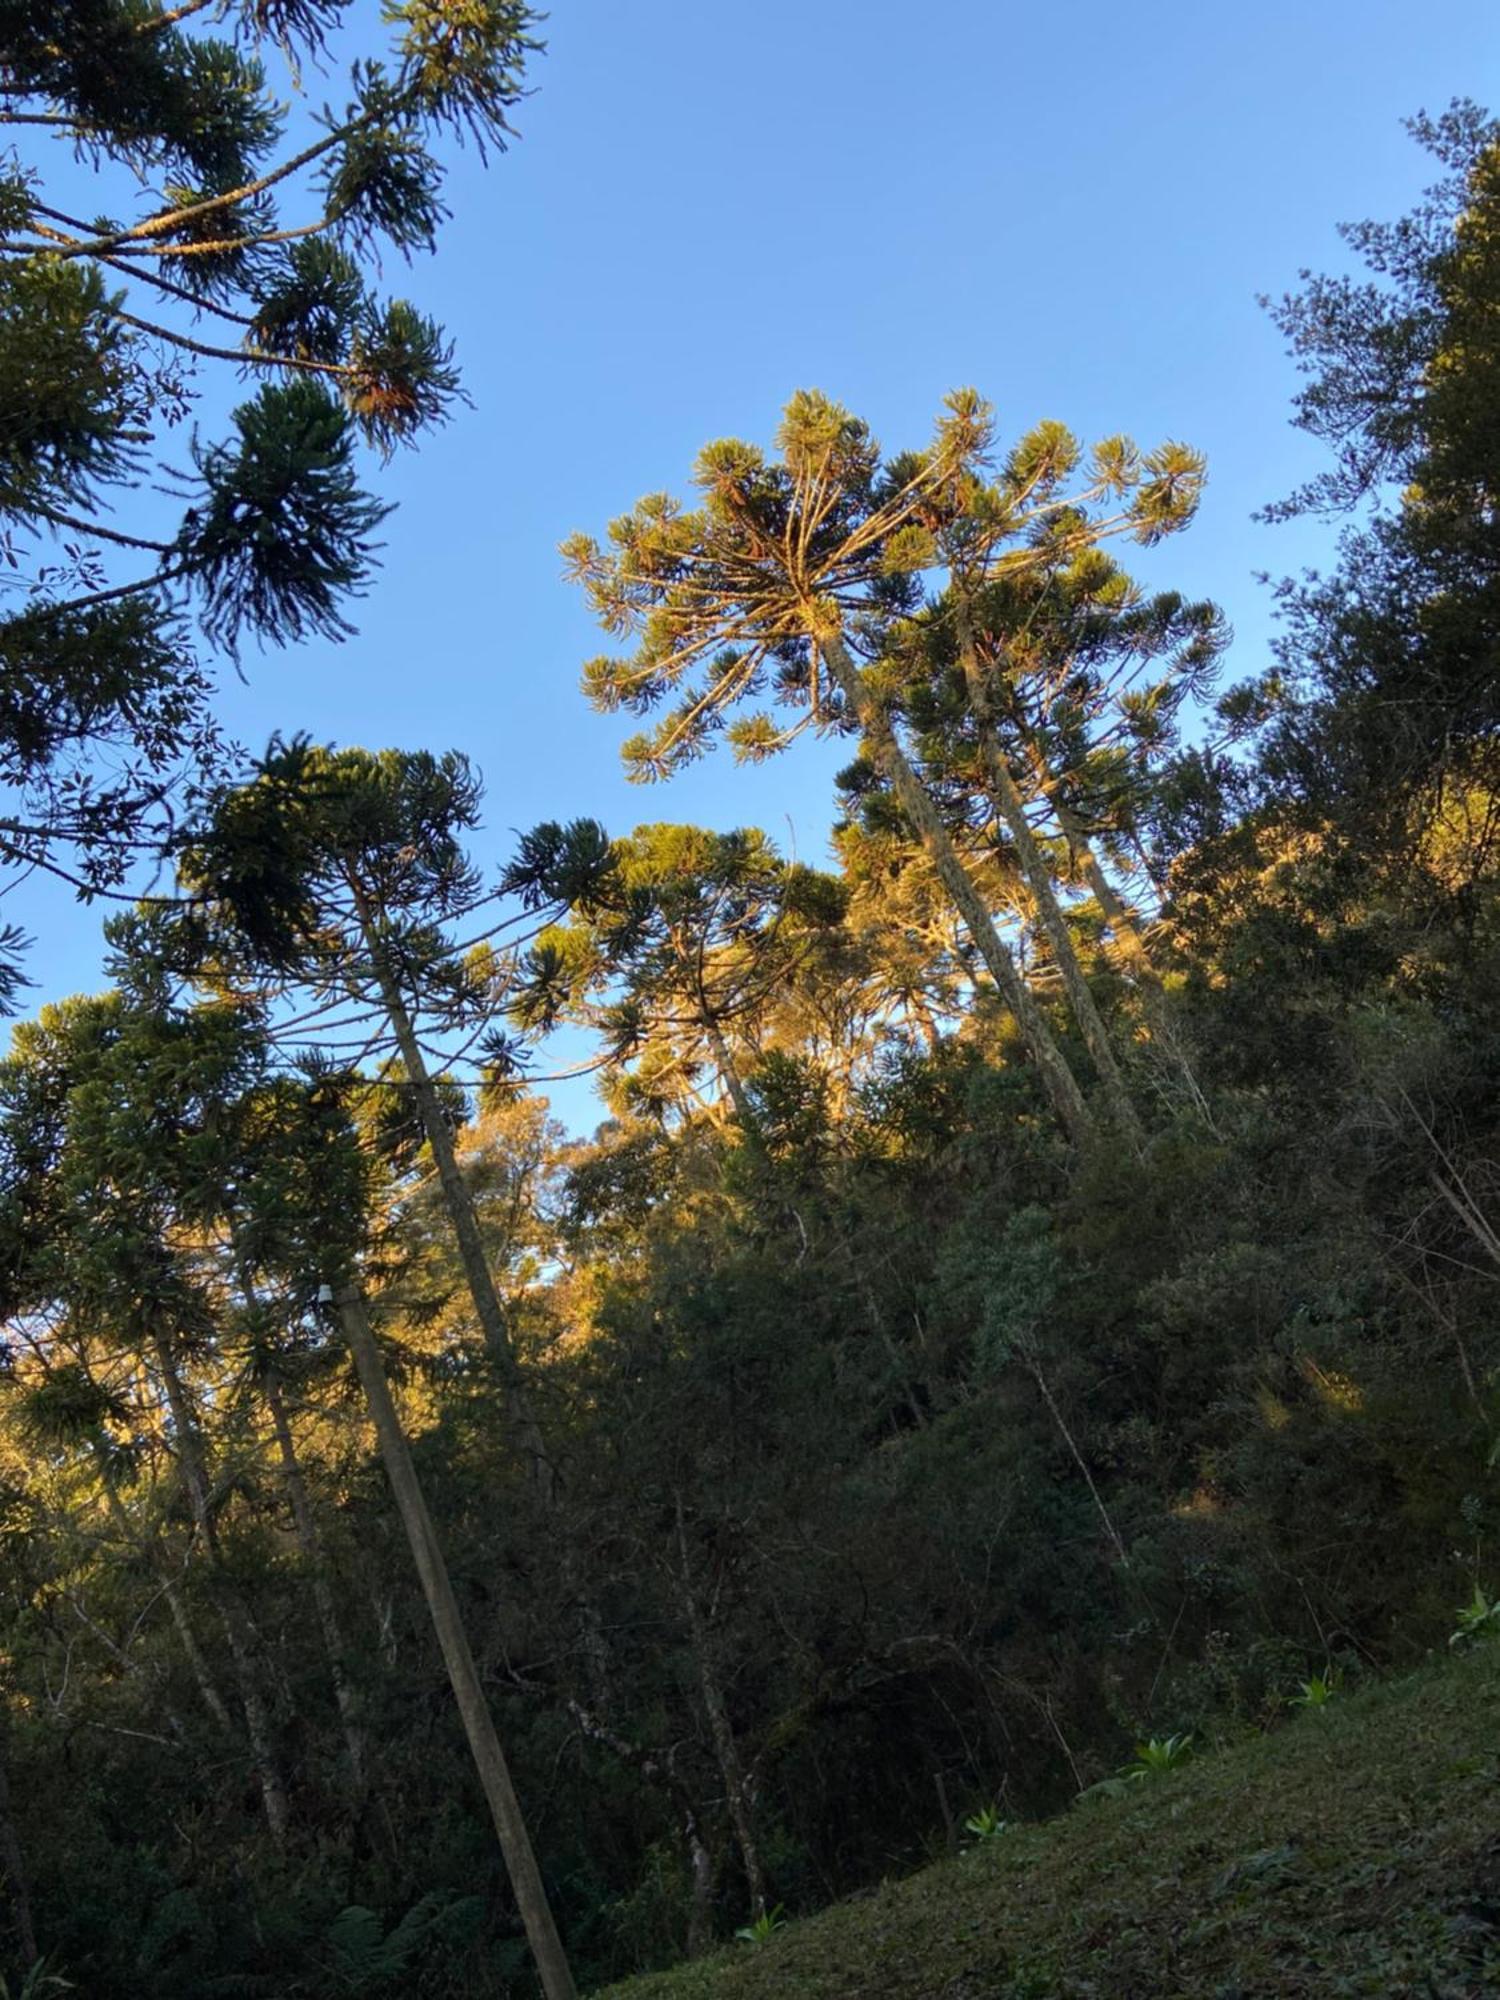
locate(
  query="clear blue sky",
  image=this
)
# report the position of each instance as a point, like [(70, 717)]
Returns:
[(1071, 207)]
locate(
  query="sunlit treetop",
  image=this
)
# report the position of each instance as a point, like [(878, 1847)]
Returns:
[(1084, 676), (826, 545), (671, 934)]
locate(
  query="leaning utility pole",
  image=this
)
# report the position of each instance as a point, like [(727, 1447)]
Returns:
[(463, 1675)]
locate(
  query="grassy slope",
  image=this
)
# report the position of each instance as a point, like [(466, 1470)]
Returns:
[(1356, 1851)]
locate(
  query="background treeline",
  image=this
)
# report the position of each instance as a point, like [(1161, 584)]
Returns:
[(1035, 1285)]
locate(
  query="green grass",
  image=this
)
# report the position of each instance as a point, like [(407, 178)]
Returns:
[(1354, 1851)]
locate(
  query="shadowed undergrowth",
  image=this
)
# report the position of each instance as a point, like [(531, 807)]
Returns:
[(1356, 1851)]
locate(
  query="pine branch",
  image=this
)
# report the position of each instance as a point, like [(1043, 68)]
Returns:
[(144, 275), (256, 355), (158, 225), (54, 118), (87, 602), (91, 528), (159, 23)]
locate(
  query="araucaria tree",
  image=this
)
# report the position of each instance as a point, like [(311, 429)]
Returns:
[(827, 1448), (338, 876), (1044, 700), (790, 578), (1386, 694), (184, 1208), (677, 939), (233, 234)]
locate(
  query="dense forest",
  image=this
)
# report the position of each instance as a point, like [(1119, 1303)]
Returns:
[(1033, 1290)]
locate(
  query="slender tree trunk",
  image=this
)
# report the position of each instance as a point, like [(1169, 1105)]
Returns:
[(463, 1675), (1123, 922), (1468, 1211), (737, 1787), (160, 1561), (728, 1070), (1012, 809), (879, 1326), (213, 1701), (700, 1932), (1127, 933), (238, 1629), (126, 1660), (1078, 1459), (592, 1645), (242, 1650), (878, 1322), (462, 1215), (1058, 1080), (12, 1860), (659, 1769), (925, 1021), (751, 1129), (310, 1541)]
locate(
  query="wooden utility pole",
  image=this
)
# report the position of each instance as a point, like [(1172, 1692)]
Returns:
[(463, 1675)]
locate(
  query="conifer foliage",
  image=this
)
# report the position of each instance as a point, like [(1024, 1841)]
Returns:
[(1025, 1268), (797, 578), (190, 369)]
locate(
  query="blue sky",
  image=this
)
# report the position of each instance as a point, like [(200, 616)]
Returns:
[(1072, 208)]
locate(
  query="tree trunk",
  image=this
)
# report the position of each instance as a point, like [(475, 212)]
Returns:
[(1078, 1459), (730, 1076), (238, 1629), (917, 1005), (737, 1788), (160, 1561), (1012, 809), (700, 1932), (463, 1675), (1128, 936), (659, 1769), (462, 1215), (213, 1701), (1057, 1078), (310, 1541), (1124, 924)]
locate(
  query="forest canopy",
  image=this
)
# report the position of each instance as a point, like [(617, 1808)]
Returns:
[(1030, 1261)]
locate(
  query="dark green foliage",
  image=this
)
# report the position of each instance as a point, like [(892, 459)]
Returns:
[(233, 234), (402, 379), (1368, 346), (314, 308), (1388, 687), (914, 1466), (804, 1442), (280, 537), (381, 181), (66, 393), (1294, 1866), (321, 838), (365, 1958)]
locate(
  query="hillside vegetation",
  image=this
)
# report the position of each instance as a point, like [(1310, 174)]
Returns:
[(1033, 1290), (1354, 1852)]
